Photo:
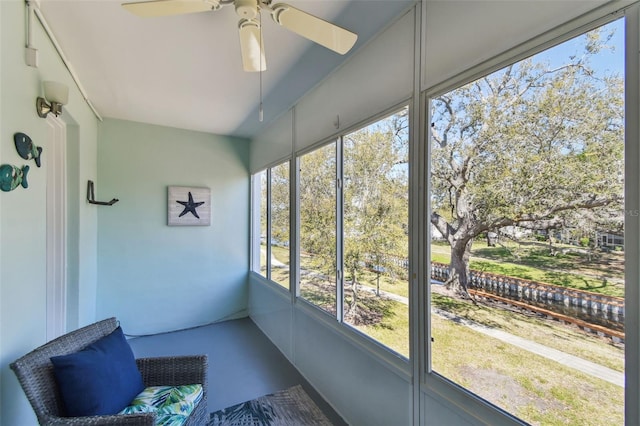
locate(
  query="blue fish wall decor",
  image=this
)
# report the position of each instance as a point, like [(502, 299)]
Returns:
[(13, 176), (26, 148)]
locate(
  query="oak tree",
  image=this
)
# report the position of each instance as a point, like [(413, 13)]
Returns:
[(532, 145)]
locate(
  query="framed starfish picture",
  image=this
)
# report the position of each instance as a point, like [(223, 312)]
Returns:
[(188, 206)]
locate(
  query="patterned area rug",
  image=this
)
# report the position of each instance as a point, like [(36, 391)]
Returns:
[(290, 407)]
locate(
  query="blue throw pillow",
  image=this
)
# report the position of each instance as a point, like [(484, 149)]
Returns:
[(100, 379)]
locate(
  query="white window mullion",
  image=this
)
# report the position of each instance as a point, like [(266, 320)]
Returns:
[(255, 222), (268, 207), (339, 231), (294, 236), (632, 221)]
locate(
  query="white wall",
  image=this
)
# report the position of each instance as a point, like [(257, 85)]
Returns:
[(22, 211), (155, 277)]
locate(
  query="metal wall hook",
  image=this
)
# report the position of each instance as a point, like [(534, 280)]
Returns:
[(91, 198)]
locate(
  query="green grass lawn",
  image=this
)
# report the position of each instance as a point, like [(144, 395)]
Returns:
[(565, 257), (545, 332), (388, 283), (535, 266), (279, 274), (281, 254), (393, 330), (533, 388), (538, 390)]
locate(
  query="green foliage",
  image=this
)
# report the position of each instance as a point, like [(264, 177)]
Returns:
[(536, 264), (318, 206), (529, 145), (376, 192), (280, 204), (374, 205)]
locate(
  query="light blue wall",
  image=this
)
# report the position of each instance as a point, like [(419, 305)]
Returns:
[(155, 277), (23, 211)]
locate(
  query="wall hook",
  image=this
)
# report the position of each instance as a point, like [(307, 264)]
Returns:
[(91, 198)]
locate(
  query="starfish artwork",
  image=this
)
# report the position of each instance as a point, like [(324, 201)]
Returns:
[(190, 206)]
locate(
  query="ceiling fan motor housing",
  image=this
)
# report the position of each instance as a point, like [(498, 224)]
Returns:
[(247, 9)]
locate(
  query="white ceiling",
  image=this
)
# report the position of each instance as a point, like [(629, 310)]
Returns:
[(186, 71)]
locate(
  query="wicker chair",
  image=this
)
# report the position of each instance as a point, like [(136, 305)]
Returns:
[(35, 373)]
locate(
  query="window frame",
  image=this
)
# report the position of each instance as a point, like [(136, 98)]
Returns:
[(256, 200), (431, 381), (397, 361), (429, 390), (297, 283), (256, 228), (288, 162)]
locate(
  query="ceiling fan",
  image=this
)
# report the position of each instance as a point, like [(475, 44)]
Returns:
[(311, 27)]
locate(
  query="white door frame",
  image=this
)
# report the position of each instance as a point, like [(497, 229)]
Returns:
[(54, 160)]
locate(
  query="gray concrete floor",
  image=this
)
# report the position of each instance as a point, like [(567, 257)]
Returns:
[(243, 363)]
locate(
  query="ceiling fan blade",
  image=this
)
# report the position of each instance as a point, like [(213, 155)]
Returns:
[(313, 28), (155, 8), (251, 45)]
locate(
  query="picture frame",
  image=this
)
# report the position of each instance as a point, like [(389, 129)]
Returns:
[(188, 206)]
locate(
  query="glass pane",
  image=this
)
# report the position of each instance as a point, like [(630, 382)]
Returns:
[(376, 217), (527, 257), (318, 227), (262, 181), (280, 224)]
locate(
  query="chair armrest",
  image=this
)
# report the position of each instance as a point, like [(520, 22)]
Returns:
[(174, 370), (138, 419)]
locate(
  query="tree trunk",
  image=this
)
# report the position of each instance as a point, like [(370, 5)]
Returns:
[(459, 267)]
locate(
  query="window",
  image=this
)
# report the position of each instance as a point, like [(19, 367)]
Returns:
[(271, 194), (318, 227), (279, 243), (527, 171), (375, 222), (260, 228), (360, 277)]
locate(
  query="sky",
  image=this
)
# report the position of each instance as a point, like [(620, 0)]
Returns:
[(608, 61)]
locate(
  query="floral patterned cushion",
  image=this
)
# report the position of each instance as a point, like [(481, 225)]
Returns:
[(172, 404)]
